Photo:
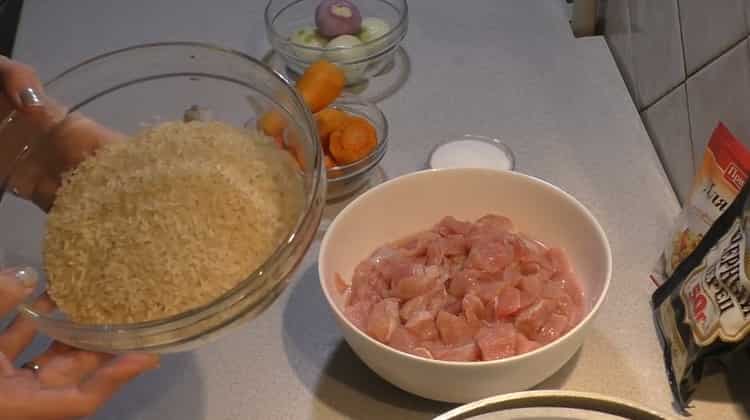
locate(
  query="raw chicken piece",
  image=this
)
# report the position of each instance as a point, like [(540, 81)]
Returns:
[(366, 281), (346, 296), (463, 281), (358, 313), (422, 352), (420, 282), (403, 340), (412, 306), (559, 260), (565, 307), (527, 248), (490, 255), (455, 245), (530, 320), (395, 267), (450, 226), (416, 245), (527, 299), (468, 352), (529, 267), (507, 303), (340, 284), (494, 223), (452, 305), (422, 325), (554, 327), (531, 252), (449, 246), (383, 253), (454, 329), (437, 300), (435, 253), (455, 265), (571, 286), (524, 345), (432, 301), (473, 310), (532, 285), (497, 341), (383, 320), (512, 274), (554, 290), (488, 291), (363, 291)]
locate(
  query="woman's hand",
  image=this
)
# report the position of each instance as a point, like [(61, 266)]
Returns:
[(69, 138), (69, 383)]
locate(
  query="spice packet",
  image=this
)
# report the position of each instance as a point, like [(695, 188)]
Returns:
[(723, 172), (703, 310)]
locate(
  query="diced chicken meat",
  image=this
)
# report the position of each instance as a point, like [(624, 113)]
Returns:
[(468, 352), (507, 303), (383, 320), (497, 341), (422, 325), (454, 329), (464, 291)]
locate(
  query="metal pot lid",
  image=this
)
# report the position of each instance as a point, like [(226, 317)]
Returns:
[(552, 405)]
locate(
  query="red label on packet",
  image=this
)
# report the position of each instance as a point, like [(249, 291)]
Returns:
[(735, 175)]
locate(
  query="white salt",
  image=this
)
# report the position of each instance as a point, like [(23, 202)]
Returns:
[(469, 153)]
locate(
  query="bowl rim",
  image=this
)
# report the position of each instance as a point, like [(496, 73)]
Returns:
[(324, 245), (368, 162), (274, 35), (232, 296)]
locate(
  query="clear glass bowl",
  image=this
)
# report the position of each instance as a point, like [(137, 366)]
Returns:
[(345, 180), (284, 17), (137, 86)]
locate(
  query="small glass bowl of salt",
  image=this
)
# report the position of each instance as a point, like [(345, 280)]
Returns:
[(472, 151)]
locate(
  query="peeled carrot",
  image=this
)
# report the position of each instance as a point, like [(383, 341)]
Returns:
[(328, 162), (272, 123), (329, 120), (353, 142), (296, 153), (321, 84)]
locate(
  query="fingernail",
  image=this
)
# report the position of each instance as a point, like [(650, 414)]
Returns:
[(26, 276), (29, 97)]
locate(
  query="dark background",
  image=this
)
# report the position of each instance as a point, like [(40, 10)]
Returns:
[(10, 10)]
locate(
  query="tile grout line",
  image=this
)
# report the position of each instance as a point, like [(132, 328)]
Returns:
[(713, 59), (684, 64), (684, 85)]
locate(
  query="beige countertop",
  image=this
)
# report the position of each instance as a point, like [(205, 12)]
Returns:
[(499, 68)]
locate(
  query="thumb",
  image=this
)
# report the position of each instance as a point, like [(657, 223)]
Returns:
[(16, 284)]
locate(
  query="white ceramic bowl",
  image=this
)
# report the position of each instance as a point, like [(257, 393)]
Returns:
[(417, 201)]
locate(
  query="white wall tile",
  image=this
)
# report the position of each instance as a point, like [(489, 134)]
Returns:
[(656, 48), (720, 92), (617, 33), (669, 128), (709, 28)]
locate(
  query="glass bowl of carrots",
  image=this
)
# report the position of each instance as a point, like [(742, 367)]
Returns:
[(354, 136), (353, 133)]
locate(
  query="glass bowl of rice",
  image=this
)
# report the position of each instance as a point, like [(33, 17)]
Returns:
[(189, 223)]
